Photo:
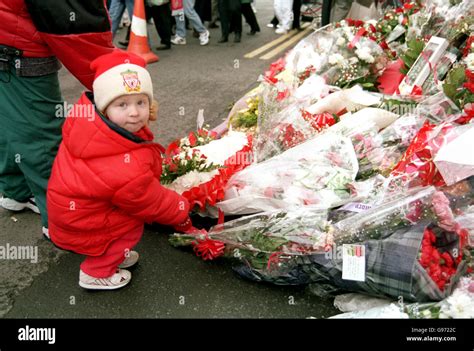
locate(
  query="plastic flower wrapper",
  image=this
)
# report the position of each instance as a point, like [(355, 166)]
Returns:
[(393, 235), (267, 243), (315, 172), (285, 130), (417, 162), (393, 25), (382, 151), (459, 84), (452, 159), (458, 21), (246, 118), (199, 166), (310, 54), (243, 114), (276, 87), (354, 60), (356, 57)]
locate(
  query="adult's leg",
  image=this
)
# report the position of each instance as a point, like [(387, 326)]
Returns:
[(30, 135), (192, 16), (162, 19), (130, 4), (117, 7), (249, 16), (224, 16), (214, 11), (296, 14), (180, 25), (283, 11), (236, 16)]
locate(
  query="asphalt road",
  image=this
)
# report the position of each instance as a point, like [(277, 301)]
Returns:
[(168, 282)]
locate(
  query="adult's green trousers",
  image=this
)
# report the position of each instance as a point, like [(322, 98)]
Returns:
[(30, 134)]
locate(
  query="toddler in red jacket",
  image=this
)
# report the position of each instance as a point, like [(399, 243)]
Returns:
[(105, 182)]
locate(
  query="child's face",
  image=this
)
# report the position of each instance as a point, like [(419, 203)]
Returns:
[(130, 112)]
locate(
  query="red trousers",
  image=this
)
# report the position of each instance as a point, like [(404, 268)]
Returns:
[(105, 265)]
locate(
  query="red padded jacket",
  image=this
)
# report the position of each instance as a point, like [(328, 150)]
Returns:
[(103, 184)]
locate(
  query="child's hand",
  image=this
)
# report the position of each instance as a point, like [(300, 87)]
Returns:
[(195, 231), (183, 227)]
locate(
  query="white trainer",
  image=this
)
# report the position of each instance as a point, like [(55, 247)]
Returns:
[(116, 281), (177, 40), (13, 205), (130, 260), (281, 30), (204, 38)]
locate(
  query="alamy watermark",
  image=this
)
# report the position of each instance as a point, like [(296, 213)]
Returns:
[(65, 109), (37, 334), (13, 252)]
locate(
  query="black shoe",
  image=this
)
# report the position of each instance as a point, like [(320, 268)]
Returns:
[(164, 47), (252, 32), (223, 40), (213, 25), (237, 37), (123, 43)]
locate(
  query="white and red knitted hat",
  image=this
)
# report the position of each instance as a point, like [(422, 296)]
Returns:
[(119, 73)]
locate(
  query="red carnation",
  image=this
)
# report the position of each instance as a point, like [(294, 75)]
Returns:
[(469, 86)]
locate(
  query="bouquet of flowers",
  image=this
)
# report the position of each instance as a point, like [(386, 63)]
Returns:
[(394, 24), (315, 172), (267, 242), (199, 165), (414, 247), (384, 150), (459, 84), (299, 122)]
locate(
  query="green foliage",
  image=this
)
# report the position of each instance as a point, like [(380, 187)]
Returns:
[(454, 80), (415, 47)]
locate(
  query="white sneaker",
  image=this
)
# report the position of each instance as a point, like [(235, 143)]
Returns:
[(177, 40), (281, 30), (116, 281), (46, 233), (131, 260), (204, 37), (13, 205)]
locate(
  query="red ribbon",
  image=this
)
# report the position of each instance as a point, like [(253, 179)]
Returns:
[(273, 260), (208, 249), (213, 191), (360, 33)]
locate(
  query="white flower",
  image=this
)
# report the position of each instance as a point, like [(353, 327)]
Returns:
[(364, 54), (459, 305), (340, 41), (469, 60), (336, 59), (353, 60)]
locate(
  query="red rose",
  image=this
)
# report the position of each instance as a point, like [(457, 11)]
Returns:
[(469, 86), (469, 75), (173, 167), (192, 139)]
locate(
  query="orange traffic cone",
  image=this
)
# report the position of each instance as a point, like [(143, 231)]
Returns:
[(138, 35)]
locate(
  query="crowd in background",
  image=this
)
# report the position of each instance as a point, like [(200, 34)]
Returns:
[(172, 28)]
